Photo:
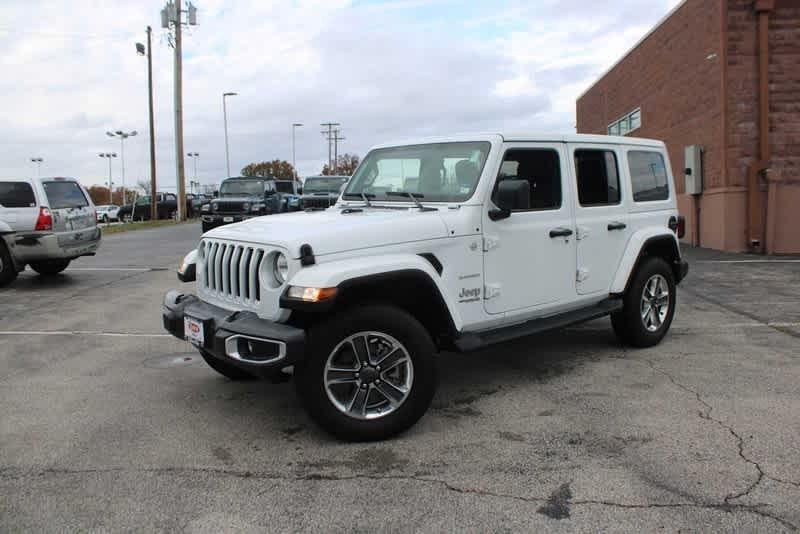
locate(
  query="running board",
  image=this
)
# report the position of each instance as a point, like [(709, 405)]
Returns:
[(478, 340)]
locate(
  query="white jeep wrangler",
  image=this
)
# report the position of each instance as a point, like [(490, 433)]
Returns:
[(451, 244)]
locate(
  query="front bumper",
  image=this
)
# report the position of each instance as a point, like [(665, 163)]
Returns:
[(212, 221), (278, 345)]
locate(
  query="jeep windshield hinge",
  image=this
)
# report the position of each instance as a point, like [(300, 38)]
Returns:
[(491, 291), (490, 242)]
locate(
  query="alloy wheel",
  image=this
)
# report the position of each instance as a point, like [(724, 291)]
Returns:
[(655, 302), (368, 375)]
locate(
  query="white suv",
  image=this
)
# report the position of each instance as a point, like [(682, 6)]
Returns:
[(447, 244), (44, 223)]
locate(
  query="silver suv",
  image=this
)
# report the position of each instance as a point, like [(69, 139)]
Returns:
[(45, 223)]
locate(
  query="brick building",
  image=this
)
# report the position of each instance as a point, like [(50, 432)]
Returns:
[(725, 75)]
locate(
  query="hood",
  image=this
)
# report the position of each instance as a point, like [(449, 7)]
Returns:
[(332, 231)]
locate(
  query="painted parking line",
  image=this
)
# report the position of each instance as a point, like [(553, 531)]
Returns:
[(746, 261), (134, 269), (77, 333)]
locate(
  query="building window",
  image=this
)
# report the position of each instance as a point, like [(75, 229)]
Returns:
[(648, 176), (627, 124)]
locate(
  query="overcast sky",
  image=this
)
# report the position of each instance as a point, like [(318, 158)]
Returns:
[(384, 69)]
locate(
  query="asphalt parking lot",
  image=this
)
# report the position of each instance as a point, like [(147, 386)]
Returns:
[(109, 424)]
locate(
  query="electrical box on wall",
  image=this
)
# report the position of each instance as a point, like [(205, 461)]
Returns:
[(693, 170)]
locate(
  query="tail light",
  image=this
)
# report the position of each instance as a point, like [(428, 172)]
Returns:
[(678, 225), (45, 220)]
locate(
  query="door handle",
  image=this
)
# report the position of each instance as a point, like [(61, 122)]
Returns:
[(560, 232), (616, 226)]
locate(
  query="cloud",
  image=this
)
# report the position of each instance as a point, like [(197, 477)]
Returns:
[(385, 70)]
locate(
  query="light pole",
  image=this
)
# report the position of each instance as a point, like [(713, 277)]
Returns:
[(140, 49), (195, 156), (109, 155), (225, 119), (38, 162), (122, 136), (294, 167)]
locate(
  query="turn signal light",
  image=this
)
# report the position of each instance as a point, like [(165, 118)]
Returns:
[(45, 220), (311, 294)]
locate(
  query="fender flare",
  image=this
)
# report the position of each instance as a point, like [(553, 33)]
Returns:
[(341, 272), (633, 254)]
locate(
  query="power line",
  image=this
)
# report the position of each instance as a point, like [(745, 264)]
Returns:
[(329, 136)]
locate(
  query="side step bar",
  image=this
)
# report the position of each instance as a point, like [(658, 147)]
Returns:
[(478, 340)]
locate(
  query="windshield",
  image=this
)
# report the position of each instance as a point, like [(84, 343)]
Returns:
[(237, 188), (323, 185), (284, 187), (64, 195), (441, 172)]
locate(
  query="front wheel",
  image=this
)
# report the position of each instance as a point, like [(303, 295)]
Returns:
[(370, 373), (49, 267), (649, 305)]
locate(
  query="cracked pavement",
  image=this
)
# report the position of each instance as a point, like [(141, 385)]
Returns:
[(567, 431)]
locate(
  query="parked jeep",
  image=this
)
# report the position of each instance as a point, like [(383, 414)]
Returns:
[(290, 191), (456, 244), (240, 199), (166, 208), (321, 192)]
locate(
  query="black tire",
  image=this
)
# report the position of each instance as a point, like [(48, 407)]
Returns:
[(225, 369), (8, 271), (49, 267), (324, 337), (628, 323), (105, 219)]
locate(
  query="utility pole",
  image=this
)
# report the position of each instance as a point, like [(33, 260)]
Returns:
[(329, 136), (171, 14), (140, 50), (336, 139)]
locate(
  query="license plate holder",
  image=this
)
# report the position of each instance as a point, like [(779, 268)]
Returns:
[(227, 219), (194, 331)]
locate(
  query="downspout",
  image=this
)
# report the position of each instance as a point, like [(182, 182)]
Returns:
[(756, 207)]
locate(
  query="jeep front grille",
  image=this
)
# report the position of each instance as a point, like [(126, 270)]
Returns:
[(230, 271)]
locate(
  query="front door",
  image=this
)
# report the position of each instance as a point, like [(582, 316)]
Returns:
[(601, 219), (529, 257)]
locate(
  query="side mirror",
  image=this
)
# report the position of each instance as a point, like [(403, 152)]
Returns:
[(511, 195), (269, 193), (300, 190)]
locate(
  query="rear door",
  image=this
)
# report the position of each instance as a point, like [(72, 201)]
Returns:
[(73, 213), (601, 217), (18, 206)]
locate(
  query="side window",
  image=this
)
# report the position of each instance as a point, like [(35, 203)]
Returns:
[(541, 168), (598, 177), (16, 195), (648, 176)]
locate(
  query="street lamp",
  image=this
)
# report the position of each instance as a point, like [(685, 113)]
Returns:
[(195, 156), (109, 155), (38, 162), (225, 119), (122, 136), (294, 167), (142, 51)]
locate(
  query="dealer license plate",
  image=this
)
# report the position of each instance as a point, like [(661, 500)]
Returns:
[(227, 219), (193, 330)]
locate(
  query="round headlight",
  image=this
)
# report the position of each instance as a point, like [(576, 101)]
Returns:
[(246, 206), (280, 268), (214, 206)]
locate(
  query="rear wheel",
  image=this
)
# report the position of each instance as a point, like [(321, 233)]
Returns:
[(225, 369), (49, 267), (649, 305), (8, 271), (370, 373)]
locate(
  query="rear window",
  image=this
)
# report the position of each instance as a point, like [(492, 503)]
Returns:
[(17, 195), (64, 195), (648, 176)]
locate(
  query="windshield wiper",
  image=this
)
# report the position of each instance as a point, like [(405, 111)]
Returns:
[(413, 196), (363, 196)]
